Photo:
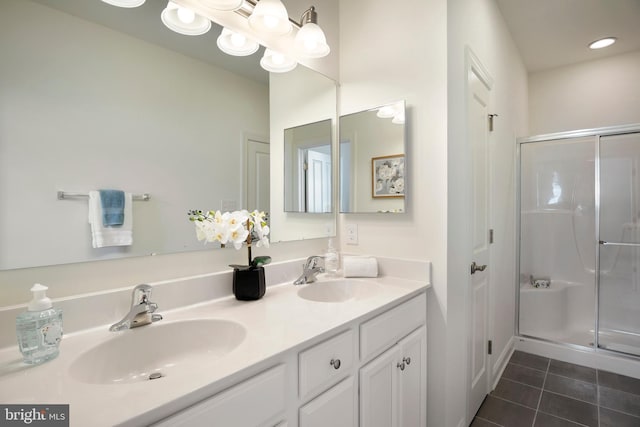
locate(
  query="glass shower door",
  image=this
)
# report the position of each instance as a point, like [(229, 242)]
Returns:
[(557, 251), (619, 235)]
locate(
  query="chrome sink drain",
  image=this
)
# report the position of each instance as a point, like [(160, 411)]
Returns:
[(155, 375)]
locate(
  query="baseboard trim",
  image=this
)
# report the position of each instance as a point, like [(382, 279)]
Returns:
[(501, 362)]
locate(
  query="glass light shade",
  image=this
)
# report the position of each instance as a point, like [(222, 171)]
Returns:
[(310, 42), (184, 21), (236, 44), (398, 119), (277, 62), (271, 17), (387, 111), (225, 5), (599, 44), (125, 3)]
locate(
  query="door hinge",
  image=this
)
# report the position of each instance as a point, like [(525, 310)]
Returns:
[(491, 236), (489, 347)]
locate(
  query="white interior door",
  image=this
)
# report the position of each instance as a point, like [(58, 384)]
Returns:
[(257, 175), (478, 98), (318, 182)]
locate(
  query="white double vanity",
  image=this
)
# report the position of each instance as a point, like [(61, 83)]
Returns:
[(354, 354)]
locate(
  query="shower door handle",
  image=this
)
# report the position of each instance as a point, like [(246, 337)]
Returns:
[(633, 245), (475, 267)]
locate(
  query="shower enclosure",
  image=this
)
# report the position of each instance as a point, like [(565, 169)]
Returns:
[(579, 230)]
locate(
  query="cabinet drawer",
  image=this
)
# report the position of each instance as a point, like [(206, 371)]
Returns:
[(326, 363), (251, 403), (385, 330)]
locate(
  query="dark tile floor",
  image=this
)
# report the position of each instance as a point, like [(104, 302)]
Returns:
[(535, 391)]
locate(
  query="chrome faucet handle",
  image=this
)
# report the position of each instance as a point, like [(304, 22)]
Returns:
[(312, 261), (141, 295)]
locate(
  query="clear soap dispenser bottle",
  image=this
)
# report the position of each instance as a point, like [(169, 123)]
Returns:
[(331, 260), (39, 329)]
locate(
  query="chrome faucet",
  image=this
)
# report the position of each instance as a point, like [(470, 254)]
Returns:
[(141, 312), (311, 268)]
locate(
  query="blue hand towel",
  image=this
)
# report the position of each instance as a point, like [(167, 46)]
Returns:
[(112, 207)]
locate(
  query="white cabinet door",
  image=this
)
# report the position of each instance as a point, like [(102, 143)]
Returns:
[(335, 407), (255, 402), (379, 390), (393, 386), (412, 380)]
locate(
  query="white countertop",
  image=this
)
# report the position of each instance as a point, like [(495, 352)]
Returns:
[(278, 322)]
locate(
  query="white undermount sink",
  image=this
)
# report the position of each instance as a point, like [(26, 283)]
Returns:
[(157, 350), (340, 290)]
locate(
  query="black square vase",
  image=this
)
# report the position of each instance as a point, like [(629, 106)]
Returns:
[(248, 284)]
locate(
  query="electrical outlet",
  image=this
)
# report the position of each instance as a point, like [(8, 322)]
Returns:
[(352, 234)]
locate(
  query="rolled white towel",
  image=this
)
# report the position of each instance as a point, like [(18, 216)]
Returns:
[(359, 266)]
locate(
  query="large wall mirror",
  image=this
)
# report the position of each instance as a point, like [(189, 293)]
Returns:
[(96, 96), (372, 160)]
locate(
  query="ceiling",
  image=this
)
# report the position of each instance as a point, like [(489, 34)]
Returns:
[(548, 33), (554, 33)]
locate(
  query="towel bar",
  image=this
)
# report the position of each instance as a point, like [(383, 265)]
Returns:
[(68, 195)]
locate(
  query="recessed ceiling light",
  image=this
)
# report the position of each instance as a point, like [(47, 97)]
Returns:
[(599, 44)]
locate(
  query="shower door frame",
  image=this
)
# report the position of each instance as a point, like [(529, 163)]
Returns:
[(597, 134)]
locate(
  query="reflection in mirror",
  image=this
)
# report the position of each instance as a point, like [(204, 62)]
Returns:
[(307, 168), (372, 160), (106, 97)]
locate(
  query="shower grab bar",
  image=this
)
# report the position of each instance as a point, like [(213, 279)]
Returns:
[(602, 242)]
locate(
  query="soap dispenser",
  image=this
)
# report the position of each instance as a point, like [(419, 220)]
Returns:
[(331, 260), (39, 329)]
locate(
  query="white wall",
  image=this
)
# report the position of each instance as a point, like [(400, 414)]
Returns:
[(605, 92), (478, 25), (388, 53)]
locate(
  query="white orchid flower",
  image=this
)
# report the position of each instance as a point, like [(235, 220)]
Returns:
[(204, 230), (236, 218), (222, 233), (238, 235)]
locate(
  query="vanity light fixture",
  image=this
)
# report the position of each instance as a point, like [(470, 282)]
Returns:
[(604, 42), (387, 111), (236, 44), (125, 3), (277, 62), (184, 21), (398, 119), (310, 42), (392, 111), (270, 16)]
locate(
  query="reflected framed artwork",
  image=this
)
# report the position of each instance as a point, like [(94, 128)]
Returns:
[(387, 176)]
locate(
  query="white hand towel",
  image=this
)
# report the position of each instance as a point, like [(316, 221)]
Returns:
[(359, 266), (102, 236)]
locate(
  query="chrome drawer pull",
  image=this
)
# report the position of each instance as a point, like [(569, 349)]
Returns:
[(335, 363)]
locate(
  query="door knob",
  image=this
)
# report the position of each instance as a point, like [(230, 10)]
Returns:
[(475, 267)]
